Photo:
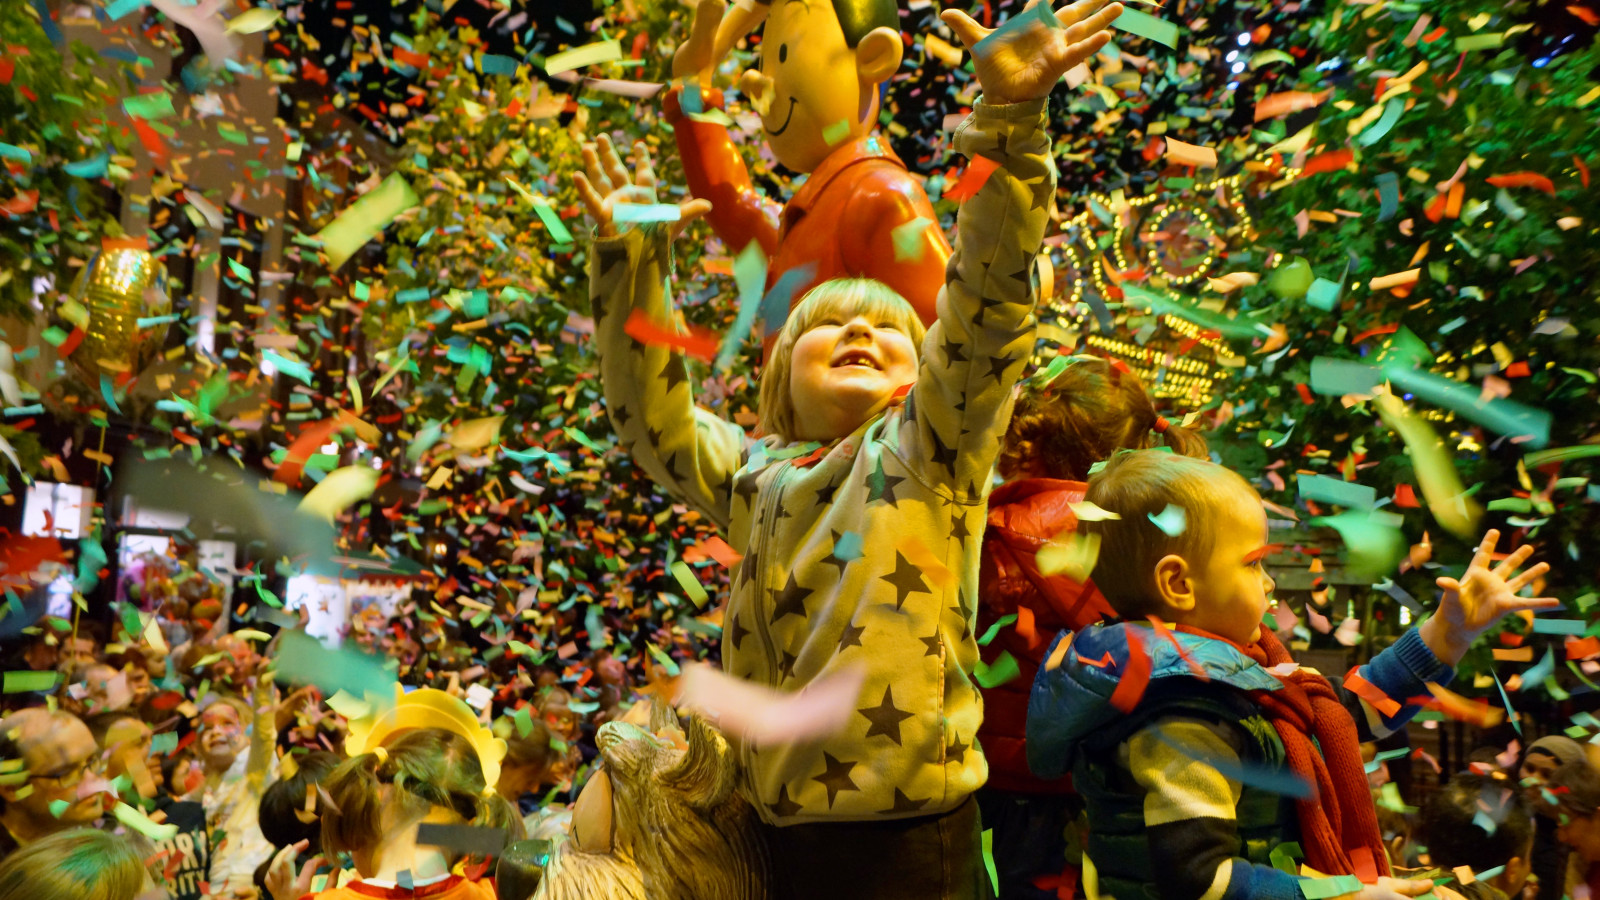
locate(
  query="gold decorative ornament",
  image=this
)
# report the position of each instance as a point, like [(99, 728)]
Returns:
[(119, 287)]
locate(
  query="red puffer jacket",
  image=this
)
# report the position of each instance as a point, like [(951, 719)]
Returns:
[(1023, 516)]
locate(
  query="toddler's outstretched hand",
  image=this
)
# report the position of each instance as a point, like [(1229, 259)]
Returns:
[(1026, 58), (608, 183), (1482, 597)]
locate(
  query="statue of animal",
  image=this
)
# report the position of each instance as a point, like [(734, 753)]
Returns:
[(663, 820)]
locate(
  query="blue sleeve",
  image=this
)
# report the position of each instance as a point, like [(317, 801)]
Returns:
[(1403, 671)]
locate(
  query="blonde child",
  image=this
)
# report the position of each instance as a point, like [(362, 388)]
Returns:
[(858, 515), (1200, 749)]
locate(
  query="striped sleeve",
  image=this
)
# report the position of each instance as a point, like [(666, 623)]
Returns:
[(1190, 819)]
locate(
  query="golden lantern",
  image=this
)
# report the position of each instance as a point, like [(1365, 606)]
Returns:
[(118, 288)]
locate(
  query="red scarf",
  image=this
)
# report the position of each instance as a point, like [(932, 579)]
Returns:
[(1338, 824)]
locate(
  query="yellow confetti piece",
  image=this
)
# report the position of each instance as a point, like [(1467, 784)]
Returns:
[(1398, 279), (339, 490), (251, 21), (1073, 556), (588, 55), (1191, 154), (365, 218)]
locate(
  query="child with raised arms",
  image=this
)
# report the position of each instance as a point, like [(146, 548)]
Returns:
[(860, 510), (1200, 747)]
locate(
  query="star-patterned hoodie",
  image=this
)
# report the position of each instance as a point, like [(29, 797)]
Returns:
[(865, 550)]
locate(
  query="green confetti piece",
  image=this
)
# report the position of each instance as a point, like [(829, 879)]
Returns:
[(365, 219), (57, 807), (1323, 888), (1480, 42), (164, 742), (994, 630), (19, 154), (1505, 698), (836, 132), (93, 167), (1324, 294), (910, 240), (1002, 670), (20, 682), (141, 823), (239, 271), (1283, 856), (1372, 540), (1560, 454), (1337, 491), (988, 834), (496, 64), (664, 660), (293, 368), (637, 213), (691, 584), (1172, 521), (1146, 26), (1391, 115), (119, 8), (303, 660), (552, 222), (152, 106), (1559, 626)]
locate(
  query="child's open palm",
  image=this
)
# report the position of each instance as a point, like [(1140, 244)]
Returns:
[(1023, 60), (1480, 598), (608, 183)]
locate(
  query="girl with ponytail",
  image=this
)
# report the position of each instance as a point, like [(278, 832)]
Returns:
[(381, 798), (1071, 415)]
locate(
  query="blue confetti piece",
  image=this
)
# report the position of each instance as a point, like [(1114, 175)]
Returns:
[(1172, 521), (848, 546), (775, 305)]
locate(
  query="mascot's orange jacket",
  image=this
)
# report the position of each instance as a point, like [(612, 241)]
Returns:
[(842, 220)]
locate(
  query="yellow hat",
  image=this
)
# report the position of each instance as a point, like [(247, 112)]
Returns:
[(427, 708)]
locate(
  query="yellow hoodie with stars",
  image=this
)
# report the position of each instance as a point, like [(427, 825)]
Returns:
[(864, 551)]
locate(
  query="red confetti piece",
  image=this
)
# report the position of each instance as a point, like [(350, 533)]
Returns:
[(699, 342), (7, 67), (23, 203), (1332, 161), (1583, 649), (1305, 393), (972, 180), (1135, 678), (1405, 496), (1374, 331), (70, 344), (1583, 170), (1524, 179)]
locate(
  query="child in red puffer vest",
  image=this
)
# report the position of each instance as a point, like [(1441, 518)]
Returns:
[(1067, 418)]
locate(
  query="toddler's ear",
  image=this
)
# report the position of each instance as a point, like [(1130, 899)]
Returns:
[(878, 55), (1173, 584)]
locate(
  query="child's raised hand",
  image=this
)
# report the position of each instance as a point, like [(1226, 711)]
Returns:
[(609, 183), (697, 55), (1482, 597), (1024, 60)]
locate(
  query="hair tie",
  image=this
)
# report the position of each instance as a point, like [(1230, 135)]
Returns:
[(1161, 425), (382, 754)]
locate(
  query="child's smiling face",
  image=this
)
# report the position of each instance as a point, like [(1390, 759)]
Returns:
[(1231, 589), (845, 370)]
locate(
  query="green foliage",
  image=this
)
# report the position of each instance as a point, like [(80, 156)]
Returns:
[(65, 120)]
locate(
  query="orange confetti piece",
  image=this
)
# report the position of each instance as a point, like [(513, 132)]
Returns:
[(1474, 712), (1366, 690), (1283, 103), (972, 180), (698, 342), (1524, 179), (1583, 649), (918, 554), (1331, 161), (1513, 654)]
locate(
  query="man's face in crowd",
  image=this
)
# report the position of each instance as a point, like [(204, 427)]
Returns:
[(63, 764)]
